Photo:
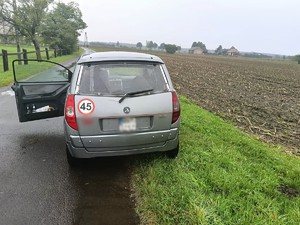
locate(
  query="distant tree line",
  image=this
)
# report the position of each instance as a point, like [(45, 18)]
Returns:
[(57, 25), (257, 55), (172, 48), (169, 48), (102, 44)]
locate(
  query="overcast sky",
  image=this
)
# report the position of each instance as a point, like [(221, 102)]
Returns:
[(268, 26)]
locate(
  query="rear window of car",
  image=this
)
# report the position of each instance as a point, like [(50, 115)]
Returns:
[(121, 78)]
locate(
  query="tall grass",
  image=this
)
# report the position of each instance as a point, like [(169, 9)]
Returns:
[(222, 176)]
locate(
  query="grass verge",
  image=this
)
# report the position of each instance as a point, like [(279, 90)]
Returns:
[(6, 78), (222, 176)]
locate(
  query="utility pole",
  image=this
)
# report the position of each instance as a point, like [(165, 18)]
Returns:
[(86, 42)]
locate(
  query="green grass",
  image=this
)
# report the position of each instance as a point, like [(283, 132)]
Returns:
[(222, 176), (13, 48), (6, 78)]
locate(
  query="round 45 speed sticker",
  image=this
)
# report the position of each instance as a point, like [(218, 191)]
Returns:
[(86, 106)]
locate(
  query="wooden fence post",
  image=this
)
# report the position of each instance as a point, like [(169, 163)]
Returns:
[(47, 53), (19, 54), (5, 60), (25, 57)]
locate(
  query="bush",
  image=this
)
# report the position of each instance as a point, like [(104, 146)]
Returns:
[(170, 48)]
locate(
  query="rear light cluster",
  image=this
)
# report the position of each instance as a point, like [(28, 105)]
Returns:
[(70, 115), (176, 107)]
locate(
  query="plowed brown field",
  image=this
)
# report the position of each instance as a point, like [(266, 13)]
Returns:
[(260, 96)]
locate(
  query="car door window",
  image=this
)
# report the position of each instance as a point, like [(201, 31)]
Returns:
[(39, 71)]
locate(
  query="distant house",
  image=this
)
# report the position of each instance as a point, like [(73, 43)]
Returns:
[(196, 50), (233, 51)]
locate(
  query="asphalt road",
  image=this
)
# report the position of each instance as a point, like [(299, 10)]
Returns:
[(38, 187)]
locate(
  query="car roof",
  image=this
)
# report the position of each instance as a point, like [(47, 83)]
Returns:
[(118, 56)]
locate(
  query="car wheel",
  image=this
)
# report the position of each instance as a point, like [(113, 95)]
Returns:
[(73, 162), (172, 154)]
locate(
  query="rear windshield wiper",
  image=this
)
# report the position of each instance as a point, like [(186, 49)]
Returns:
[(133, 93)]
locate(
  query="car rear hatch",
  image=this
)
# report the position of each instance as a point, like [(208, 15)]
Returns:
[(126, 110), (139, 120)]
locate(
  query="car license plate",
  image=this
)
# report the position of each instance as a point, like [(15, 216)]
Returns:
[(127, 124)]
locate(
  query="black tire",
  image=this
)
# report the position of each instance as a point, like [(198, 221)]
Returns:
[(172, 154), (72, 161)]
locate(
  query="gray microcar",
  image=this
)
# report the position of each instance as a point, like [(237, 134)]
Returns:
[(114, 103)]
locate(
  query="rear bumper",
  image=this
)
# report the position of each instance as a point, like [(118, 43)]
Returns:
[(125, 144)]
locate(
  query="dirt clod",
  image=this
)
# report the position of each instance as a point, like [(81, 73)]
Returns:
[(290, 192)]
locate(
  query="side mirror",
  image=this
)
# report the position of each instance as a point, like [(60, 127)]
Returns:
[(67, 75)]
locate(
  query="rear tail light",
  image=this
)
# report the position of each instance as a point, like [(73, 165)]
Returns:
[(176, 107), (70, 115)]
